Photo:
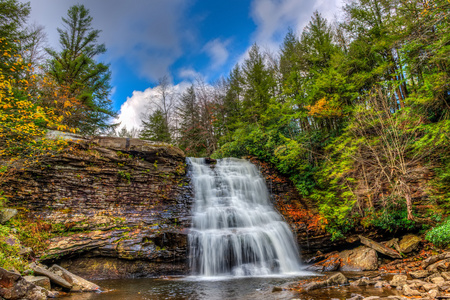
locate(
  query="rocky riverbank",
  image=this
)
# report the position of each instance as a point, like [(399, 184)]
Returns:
[(396, 269)]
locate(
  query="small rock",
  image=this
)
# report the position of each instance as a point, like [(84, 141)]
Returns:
[(433, 294), (434, 275), (337, 279), (431, 260), (277, 289), (371, 298), (361, 282), (437, 280), (398, 280), (419, 274), (41, 281), (446, 275), (440, 266), (314, 285), (408, 291), (429, 286), (7, 214), (356, 297), (409, 243)]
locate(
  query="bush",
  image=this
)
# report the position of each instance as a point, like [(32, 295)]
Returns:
[(440, 235)]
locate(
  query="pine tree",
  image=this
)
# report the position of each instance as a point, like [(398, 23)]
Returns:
[(155, 127), (75, 68)]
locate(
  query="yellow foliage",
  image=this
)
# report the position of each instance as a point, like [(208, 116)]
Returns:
[(323, 109)]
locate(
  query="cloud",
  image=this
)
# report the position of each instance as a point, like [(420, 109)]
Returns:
[(273, 17), (132, 111), (217, 51), (148, 34), (190, 74)]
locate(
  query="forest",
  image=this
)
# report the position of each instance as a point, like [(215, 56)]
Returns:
[(355, 111)]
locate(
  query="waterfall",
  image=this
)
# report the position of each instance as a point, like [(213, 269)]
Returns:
[(235, 229)]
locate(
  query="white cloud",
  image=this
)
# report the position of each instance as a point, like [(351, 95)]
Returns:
[(273, 17), (190, 74), (148, 34), (132, 110), (217, 51)]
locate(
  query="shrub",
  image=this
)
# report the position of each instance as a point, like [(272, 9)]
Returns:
[(440, 235)]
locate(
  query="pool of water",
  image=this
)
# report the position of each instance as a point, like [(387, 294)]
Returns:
[(190, 288)]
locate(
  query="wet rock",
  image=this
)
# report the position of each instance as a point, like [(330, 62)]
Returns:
[(337, 279), (331, 263), (277, 289), (41, 281), (362, 282), (408, 291), (7, 214), (314, 285), (53, 277), (78, 284), (359, 259), (409, 243), (398, 280), (419, 274), (356, 297), (380, 247)]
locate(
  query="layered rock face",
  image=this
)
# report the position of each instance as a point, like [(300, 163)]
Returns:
[(121, 207)]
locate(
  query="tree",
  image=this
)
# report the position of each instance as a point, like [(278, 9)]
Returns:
[(74, 66), (155, 128)]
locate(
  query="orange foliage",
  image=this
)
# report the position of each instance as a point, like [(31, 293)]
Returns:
[(301, 216), (323, 109)]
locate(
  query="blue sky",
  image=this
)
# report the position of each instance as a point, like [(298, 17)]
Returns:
[(182, 39)]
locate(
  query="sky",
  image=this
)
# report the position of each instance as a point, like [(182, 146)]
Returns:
[(180, 39)]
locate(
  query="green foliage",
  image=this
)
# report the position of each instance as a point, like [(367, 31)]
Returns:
[(124, 175), (440, 235), (75, 67), (156, 128)]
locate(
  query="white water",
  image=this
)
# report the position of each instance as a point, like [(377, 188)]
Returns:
[(235, 229)]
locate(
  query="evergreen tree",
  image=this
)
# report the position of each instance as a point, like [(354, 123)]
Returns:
[(74, 67), (155, 127)]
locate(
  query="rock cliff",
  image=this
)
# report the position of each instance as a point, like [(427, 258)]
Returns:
[(119, 207)]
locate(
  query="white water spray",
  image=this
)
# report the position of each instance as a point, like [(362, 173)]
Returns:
[(235, 229)]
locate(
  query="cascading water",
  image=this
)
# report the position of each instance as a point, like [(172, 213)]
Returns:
[(235, 229)]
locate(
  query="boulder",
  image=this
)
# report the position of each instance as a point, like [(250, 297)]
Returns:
[(398, 280), (7, 214), (409, 243), (433, 294), (379, 247), (337, 279), (53, 277), (419, 274), (41, 281), (15, 287), (359, 259), (78, 284)]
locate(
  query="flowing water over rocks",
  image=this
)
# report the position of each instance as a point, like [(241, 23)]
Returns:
[(235, 229)]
